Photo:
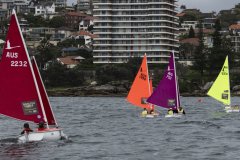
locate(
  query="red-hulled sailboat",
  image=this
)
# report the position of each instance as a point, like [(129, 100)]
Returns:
[(22, 92)]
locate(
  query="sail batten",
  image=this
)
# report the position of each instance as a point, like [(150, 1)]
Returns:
[(166, 93), (220, 89)]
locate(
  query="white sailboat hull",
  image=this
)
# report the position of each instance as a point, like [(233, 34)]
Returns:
[(173, 115), (231, 109), (151, 115), (45, 135)]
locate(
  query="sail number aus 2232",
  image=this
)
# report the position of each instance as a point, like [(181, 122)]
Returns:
[(14, 55), (19, 63)]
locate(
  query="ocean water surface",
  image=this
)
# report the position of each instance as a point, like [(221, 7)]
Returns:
[(109, 128)]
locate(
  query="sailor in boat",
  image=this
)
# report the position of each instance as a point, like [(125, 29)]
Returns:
[(144, 112), (170, 111), (26, 129), (235, 108), (41, 126), (153, 112), (181, 110), (175, 111)]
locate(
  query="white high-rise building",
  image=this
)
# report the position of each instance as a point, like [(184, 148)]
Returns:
[(84, 5), (127, 28)]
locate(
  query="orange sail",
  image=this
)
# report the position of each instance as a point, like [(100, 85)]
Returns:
[(140, 89)]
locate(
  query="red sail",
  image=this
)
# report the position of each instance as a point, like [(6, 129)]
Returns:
[(47, 107), (18, 92)]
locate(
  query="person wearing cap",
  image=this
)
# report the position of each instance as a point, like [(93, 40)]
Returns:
[(144, 112), (170, 111), (181, 110), (26, 129)]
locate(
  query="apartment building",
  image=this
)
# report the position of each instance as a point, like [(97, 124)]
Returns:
[(130, 28), (85, 6), (61, 3)]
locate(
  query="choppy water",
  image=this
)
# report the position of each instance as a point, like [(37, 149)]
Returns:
[(106, 128)]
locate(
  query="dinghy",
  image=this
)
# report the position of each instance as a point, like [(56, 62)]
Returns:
[(23, 95), (166, 94), (141, 89), (220, 90)]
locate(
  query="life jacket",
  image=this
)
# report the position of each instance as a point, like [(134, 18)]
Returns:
[(170, 112), (41, 129), (27, 130), (180, 110), (144, 113)]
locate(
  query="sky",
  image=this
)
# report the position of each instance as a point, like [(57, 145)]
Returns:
[(203, 5), (209, 5)]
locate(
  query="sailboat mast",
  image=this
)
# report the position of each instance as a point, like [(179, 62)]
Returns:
[(149, 90), (176, 84), (229, 83), (30, 64)]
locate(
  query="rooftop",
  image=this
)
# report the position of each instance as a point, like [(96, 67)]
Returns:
[(70, 60), (193, 41), (234, 26)]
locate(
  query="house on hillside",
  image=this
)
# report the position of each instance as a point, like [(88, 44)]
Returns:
[(73, 19), (70, 61), (187, 49), (209, 23), (86, 22), (36, 34), (46, 9), (87, 36), (186, 25), (234, 30)]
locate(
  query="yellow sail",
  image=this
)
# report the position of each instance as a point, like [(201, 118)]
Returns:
[(220, 89)]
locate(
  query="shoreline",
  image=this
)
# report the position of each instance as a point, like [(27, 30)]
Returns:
[(110, 91)]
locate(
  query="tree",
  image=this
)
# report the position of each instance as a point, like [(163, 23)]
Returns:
[(200, 54), (217, 35), (35, 21), (183, 7), (58, 75), (186, 50), (216, 58), (108, 73), (71, 43), (191, 33), (133, 66), (57, 22), (221, 47), (87, 54), (55, 75), (228, 49), (46, 52)]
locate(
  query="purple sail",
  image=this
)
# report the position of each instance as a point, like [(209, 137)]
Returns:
[(166, 94)]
